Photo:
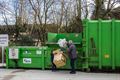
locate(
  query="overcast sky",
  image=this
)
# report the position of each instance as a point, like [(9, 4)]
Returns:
[(10, 17)]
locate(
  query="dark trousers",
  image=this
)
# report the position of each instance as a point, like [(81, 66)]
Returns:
[(53, 65), (72, 63)]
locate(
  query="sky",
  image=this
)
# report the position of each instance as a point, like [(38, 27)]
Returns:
[(11, 18), (9, 14)]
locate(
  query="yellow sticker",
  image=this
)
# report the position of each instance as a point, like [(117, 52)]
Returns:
[(106, 55)]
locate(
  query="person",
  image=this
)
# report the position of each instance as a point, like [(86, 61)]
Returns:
[(72, 55), (53, 65)]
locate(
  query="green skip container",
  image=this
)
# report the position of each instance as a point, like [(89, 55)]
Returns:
[(25, 57), (102, 43)]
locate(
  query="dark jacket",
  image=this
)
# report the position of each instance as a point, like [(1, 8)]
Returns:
[(72, 51)]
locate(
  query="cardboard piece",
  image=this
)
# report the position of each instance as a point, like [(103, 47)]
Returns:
[(59, 58)]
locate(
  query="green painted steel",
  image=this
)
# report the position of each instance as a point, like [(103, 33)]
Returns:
[(54, 37), (52, 44), (117, 45), (102, 43), (33, 54)]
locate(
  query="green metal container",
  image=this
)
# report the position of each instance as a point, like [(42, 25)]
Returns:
[(102, 43), (25, 57), (52, 44), (40, 57), (97, 47)]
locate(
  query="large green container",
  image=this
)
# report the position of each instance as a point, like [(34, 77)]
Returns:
[(102, 43), (52, 44), (25, 57), (40, 57)]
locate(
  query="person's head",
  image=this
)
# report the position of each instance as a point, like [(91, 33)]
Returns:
[(69, 43)]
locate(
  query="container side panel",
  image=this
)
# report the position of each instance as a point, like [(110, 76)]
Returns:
[(117, 43), (31, 53), (47, 59), (11, 63), (106, 43), (30, 62), (52, 37), (93, 43), (75, 37)]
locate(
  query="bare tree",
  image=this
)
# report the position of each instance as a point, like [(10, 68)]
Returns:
[(41, 8), (102, 8)]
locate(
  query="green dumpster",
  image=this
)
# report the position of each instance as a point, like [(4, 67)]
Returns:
[(52, 44), (102, 43), (25, 57)]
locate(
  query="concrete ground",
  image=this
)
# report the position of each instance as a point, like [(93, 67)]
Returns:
[(32, 74)]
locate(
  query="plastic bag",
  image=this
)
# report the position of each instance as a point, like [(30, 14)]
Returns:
[(62, 42)]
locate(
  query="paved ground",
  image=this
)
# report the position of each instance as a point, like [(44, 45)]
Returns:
[(24, 74)]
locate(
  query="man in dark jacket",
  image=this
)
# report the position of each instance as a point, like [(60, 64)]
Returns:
[(72, 55)]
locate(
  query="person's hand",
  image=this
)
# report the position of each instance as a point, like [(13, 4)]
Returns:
[(66, 56)]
